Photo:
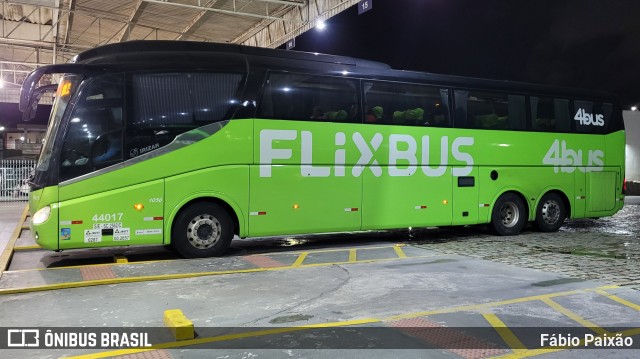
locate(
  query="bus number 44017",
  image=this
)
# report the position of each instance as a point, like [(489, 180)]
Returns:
[(107, 217)]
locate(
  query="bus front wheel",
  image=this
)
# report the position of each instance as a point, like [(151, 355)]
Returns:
[(509, 215), (551, 213), (202, 230)]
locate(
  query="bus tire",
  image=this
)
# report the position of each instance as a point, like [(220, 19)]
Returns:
[(551, 213), (202, 230), (509, 215)]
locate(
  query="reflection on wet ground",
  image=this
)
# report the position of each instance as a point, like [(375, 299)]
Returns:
[(615, 237)]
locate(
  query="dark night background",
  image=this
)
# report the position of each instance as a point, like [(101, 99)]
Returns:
[(576, 43)]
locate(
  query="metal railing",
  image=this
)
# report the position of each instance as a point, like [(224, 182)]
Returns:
[(14, 177)]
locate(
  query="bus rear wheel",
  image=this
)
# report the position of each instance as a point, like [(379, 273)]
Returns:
[(508, 217), (551, 213), (202, 230)]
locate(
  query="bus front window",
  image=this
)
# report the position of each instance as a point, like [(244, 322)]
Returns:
[(63, 95)]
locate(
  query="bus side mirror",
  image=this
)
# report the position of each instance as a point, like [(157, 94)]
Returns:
[(30, 112)]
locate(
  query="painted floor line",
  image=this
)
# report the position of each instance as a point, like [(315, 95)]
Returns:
[(90, 283), (183, 259), (493, 320)]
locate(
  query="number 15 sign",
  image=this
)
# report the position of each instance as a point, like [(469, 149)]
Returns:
[(364, 5)]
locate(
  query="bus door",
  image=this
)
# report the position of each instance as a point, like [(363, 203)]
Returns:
[(465, 198), (102, 203)]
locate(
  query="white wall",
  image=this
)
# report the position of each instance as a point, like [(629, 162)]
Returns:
[(632, 127)]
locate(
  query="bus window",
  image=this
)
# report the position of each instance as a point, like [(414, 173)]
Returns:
[(165, 105), (94, 135), (491, 111), (592, 117), (549, 114), (395, 103), (309, 98)]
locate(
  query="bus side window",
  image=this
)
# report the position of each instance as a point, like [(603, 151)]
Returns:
[(404, 104), (165, 105), (491, 111), (549, 114), (309, 98)]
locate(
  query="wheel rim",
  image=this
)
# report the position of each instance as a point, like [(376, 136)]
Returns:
[(204, 231), (551, 212), (509, 214)]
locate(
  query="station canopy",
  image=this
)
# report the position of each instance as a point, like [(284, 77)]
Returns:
[(42, 32)]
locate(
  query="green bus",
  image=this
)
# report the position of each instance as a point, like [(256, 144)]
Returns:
[(189, 144)]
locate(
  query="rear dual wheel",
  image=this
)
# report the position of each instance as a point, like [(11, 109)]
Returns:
[(509, 214), (551, 213)]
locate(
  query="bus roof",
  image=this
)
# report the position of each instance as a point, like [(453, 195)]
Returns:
[(121, 54)]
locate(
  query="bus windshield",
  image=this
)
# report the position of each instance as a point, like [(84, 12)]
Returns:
[(63, 95)]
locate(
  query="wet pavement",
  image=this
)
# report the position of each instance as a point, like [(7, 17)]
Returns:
[(605, 249)]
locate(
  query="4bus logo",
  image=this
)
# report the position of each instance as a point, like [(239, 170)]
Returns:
[(567, 160), (587, 119)]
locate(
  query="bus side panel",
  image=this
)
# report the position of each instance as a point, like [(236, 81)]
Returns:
[(227, 183), (406, 201), (602, 192), (615, 144), (296, 185), (131, 215), (579, 205), (465, 198)]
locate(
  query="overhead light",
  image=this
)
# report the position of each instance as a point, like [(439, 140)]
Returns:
[(321, 25), (634, 108)]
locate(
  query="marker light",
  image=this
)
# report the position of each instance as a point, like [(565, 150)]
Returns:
[(296, 206), (138, 206), (42, 215), (444, 201)]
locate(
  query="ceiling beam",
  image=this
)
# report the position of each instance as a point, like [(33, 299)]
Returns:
[(196, 21), (285, 2), (221, 11), (133, 20), (71, 7)]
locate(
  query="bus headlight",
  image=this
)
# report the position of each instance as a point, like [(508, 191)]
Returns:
[(42, 215)]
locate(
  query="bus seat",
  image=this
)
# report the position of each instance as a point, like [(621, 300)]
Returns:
[(340, 115), (491, 121), (374, 115), (414, 116)]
